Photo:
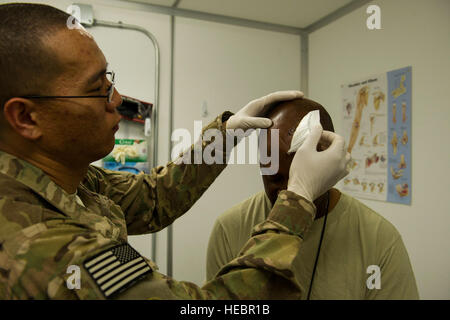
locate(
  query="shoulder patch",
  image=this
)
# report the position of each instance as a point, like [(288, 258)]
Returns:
[(116, 269)]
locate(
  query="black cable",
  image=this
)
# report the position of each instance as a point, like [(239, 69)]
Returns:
[(320, 245)]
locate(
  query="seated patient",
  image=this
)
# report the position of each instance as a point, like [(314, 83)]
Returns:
[(354, 236)]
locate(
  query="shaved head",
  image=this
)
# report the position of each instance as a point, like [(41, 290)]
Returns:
[(27, 64), (285, 117)]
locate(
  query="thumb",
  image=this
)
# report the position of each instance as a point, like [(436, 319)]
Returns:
[(314, 137), (255, 123)]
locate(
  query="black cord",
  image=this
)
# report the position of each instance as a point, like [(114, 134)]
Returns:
[(320, 245)]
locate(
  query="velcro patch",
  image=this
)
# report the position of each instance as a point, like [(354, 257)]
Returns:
[(117, 268)]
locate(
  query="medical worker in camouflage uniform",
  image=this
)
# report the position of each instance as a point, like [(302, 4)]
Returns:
[(57, 212)]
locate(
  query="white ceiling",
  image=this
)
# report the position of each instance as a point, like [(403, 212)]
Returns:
[(294, 13)]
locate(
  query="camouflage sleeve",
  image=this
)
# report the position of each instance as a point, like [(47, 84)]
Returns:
[(153, 201), (41, 261), (34, 260), (265, 268)]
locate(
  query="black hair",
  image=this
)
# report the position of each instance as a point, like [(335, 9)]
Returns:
[(27, 64)]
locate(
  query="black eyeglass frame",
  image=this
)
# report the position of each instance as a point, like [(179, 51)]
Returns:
[(108, 96)]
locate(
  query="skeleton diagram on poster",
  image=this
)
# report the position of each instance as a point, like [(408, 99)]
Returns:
[(377, 131)]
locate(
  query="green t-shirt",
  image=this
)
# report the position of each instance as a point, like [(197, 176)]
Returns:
[(355, 238)]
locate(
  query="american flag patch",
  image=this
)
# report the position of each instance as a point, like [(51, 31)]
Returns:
[(116, 268)]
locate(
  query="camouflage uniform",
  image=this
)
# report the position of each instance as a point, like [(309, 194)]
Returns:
[(43, 230)]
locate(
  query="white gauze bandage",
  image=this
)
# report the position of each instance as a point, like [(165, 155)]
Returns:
[(304, 129)]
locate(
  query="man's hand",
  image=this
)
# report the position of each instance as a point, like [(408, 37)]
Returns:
[(250, 116), (312, 173)]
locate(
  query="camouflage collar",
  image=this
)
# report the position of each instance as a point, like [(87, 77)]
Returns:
[(34, 178)]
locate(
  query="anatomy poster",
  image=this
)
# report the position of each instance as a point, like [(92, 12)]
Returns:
[(377, 129)]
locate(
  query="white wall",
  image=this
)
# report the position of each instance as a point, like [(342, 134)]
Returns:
[(226, 67), (414, 33)]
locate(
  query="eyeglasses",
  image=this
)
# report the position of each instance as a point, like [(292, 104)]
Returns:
[(110, 76)]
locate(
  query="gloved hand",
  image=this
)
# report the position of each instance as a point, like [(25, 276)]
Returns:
[(249, 117), (312, 173)]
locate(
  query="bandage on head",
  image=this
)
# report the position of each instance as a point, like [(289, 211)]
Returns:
[(303, 130)]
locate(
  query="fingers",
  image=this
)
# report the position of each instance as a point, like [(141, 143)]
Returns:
[(345, 165), (260, 106), (262, 123), (338, 149), (283, 96), (313, 139), (255, 123), (336, 142), (327, 137), (348, 158)]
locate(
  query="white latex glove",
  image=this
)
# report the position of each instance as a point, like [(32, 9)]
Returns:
[(312, 173), (249, 117)]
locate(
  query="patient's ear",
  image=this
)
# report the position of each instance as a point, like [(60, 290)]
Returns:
[(323, 145)]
